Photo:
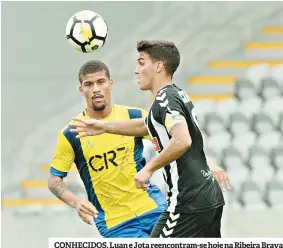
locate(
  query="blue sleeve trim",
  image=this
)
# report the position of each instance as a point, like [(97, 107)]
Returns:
[(57, 173), (135, 113)]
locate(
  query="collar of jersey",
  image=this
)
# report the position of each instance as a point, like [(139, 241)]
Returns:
[(109, 117)]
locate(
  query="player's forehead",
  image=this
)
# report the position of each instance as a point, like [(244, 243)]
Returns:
[(143, 56), (93, 77)]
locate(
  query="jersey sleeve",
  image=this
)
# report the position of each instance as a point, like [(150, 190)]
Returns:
[(171, 110), (63, 158)]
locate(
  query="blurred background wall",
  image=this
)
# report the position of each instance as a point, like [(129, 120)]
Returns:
[(231, 67)]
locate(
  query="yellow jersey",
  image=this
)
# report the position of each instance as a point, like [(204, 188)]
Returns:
[(107, 164)]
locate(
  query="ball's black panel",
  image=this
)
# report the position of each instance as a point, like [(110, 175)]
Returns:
[(94, 36)]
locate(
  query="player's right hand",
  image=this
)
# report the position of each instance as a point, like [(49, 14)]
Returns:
[(86, 127), (86, 211)]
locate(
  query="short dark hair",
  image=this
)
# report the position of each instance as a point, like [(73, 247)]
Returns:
[(93, 66), (160, 50)]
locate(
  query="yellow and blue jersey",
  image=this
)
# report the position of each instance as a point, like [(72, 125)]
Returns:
[(107, 164)]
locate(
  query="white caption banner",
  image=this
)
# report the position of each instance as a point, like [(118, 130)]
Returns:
[(166, 243)]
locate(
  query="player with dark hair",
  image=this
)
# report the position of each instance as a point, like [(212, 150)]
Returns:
[(107, 165), (195, 200)]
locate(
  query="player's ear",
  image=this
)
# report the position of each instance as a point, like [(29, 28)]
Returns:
[(81, 89), (111, 83), (159, 66)]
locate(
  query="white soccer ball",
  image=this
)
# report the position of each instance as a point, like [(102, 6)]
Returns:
[(86, 31)]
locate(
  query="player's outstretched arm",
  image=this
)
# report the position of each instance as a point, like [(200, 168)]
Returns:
[(84, 208), (134, 127), (177, 146)]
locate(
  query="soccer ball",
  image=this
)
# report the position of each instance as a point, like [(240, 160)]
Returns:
[(86, 31)]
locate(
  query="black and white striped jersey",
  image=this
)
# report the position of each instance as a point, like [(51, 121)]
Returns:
[(191, 186)]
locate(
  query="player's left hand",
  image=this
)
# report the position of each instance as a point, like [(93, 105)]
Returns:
[(141, 177), (221, 176)]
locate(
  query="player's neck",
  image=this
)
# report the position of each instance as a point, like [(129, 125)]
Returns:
[(99, 115), (159, 84)]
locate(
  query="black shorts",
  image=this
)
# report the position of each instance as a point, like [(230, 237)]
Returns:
[(184, 225)]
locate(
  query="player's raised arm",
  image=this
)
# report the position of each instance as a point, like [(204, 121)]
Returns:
[(134, 127)]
